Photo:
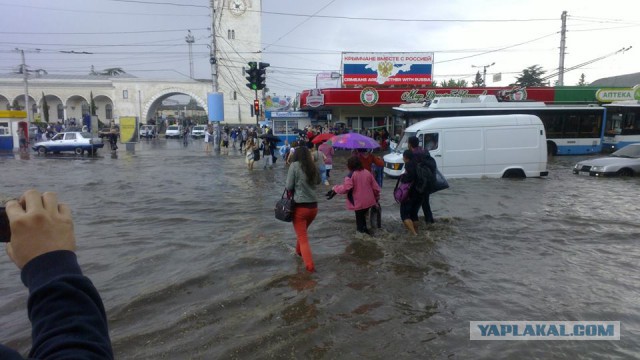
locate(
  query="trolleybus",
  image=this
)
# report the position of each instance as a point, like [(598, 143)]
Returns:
[(622, 124), (570, 129)]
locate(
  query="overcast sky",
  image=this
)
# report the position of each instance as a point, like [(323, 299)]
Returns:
[(148, 39)]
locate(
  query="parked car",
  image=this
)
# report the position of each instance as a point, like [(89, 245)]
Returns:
[(173, 131), (75, 141), (198, 131), (148, 131), (624, 162)]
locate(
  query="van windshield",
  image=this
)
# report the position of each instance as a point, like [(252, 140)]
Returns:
[(404, 142)]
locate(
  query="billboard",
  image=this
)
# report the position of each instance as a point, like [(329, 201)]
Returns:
[(328, 80), (386, 69), (128, 129)]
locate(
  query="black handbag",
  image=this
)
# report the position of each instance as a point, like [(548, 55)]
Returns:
[(284, 207), (441, 182)]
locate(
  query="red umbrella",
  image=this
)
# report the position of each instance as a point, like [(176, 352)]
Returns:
[(322, 137)]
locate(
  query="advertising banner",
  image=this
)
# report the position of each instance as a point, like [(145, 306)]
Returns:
[(328, 80), (385, 69), (128, 129)]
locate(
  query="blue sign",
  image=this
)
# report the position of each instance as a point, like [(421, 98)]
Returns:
[(215, 106)]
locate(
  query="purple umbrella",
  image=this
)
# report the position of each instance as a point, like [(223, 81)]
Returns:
[(354, 141)]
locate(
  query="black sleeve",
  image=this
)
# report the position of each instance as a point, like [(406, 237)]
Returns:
[(67, 315), (431, 163), (409, 172)]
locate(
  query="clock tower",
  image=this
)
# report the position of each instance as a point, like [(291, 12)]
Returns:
[(238, 41)]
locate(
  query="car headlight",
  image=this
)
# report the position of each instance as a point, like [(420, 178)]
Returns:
[(597, 168), (577, 166)]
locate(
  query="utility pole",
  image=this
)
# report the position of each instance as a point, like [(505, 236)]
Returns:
[(190, 40), (563, 33), (212, 59), (25, 75), (484, 72)]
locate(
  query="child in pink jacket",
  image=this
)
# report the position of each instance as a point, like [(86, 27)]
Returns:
[(363, 192)]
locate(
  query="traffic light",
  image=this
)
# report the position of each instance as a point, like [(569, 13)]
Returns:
[(257, 75), (262, 75), (252, 71), (256, 106)]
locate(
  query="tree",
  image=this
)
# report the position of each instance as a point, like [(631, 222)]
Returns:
[(453, 83), (92, 106), (15, 105), (531, 76), (479, 81), (45, 108), (582, 81)]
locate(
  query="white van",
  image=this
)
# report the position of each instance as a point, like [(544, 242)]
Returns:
[(490, 146)]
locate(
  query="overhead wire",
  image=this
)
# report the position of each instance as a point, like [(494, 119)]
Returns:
[(102, 12), (300, 24)]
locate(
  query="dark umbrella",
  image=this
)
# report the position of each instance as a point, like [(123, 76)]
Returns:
[(269, 137)]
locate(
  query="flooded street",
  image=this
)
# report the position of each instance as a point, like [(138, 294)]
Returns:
[(191, 263)]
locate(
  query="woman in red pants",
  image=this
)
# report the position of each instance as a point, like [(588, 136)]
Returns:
[(302, 178)]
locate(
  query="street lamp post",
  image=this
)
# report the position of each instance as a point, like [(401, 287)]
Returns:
[(190, 40), (484, 72)]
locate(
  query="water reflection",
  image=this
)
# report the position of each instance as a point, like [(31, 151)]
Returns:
[(191, 264)]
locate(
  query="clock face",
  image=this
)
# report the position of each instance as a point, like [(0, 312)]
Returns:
[(237, 7)]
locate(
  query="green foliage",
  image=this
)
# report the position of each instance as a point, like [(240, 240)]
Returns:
[(15, 105), (45, 108), (93, 108), (582, 81), (452, 83), (479, 81), (531, 76)]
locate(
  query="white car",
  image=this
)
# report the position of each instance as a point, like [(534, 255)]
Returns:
[(173, 131), (75, 141), (198, 131), (148, 131), (624, 162)]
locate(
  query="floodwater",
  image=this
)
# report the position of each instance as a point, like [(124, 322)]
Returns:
[(191, 263)]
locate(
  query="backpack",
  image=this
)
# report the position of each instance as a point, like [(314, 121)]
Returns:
[(425, 178)]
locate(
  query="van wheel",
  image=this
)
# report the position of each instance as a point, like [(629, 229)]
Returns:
[(514, 174), (626, 172), (552, 149), (78, 151), (42, 150)]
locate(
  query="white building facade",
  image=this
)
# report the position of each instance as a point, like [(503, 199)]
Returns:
[(238, 41)]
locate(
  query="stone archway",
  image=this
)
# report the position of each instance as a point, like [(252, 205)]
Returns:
[(19, 101), (54, 103), (104, 108), (4, 103), (154, 102), (75, 105)]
